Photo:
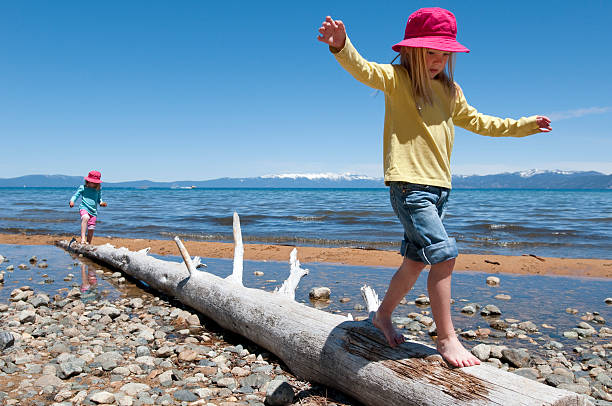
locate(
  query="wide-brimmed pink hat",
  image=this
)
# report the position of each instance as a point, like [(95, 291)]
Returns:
[(93, 177), (434, 28)]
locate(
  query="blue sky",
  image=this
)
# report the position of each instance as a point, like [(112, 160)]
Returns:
[(190, 90)]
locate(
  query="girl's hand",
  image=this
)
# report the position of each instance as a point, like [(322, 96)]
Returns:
[(71, 203), (544, 124), (103, 204), (332, 33)]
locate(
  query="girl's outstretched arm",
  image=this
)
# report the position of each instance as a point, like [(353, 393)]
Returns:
[(544, 124), (377, 76), (466, 116), (333, 33)]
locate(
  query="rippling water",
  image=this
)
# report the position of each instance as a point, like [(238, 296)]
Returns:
[(562, 223)]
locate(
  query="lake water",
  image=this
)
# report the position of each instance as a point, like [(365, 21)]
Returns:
[(559, 223)]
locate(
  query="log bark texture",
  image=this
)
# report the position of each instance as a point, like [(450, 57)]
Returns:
[(329, 348)]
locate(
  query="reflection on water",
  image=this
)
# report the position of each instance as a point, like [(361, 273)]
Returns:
[(541, 299), (63, 273)]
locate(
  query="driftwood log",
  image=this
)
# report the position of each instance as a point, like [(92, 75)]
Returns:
[(351, 356)]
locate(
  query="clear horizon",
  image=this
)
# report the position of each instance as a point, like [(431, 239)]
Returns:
[(184, 90), (281, 175)]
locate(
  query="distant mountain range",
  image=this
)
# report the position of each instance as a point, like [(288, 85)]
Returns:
[(532, 179)]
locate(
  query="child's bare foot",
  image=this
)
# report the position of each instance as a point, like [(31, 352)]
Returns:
[(455, 353), (384, 324), (83, 242)]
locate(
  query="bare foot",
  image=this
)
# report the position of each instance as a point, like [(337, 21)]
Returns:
[(384, 324), (83, 242), (455, 353)]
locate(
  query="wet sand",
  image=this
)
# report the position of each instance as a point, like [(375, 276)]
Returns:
[(523, 264)]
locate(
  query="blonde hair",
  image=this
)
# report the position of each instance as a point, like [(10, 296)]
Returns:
[(413, 59)]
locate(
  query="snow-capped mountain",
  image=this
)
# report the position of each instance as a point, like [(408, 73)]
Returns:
[(531, 172), (321, 176), (531, 179)]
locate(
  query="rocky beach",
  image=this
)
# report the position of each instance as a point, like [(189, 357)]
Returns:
[(66, 340)]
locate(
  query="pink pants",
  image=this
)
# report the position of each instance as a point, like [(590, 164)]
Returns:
[(91, 220)]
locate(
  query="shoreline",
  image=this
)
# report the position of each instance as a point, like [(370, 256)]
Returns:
[(525, 264)]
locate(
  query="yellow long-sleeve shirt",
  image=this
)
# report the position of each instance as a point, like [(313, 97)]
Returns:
[(417, 147)]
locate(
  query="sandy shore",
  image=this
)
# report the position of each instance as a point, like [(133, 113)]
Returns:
[(524, 264)]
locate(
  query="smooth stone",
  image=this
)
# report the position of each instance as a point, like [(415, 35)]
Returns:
[(584, 332), (279, 393), (498, 325), (7, 339), (469, 309), (103, 397), (490, 310), (187, 355), (109, 360), (266, 369), (528, 326), (185, 395), (133, 389), (26, 316), (604, 379), (585, 326), (496, 351), (530, 373), (482, 351), (468, 334), (142, 351), (48, 380), (110, 311), (422, 301), (256, 380), (319, 293), (493, 281), (570, 334), (518, 358), (556, 380), (227, 383), (426, 320), (502, 296), (203, 393)]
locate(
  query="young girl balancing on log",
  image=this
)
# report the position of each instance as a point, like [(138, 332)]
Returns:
[(422, 106), (91, 196)]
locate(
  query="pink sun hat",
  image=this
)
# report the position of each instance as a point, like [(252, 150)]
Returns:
[(93, 177), (434, 28)]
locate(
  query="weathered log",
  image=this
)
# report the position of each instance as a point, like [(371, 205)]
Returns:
[(329, 348)]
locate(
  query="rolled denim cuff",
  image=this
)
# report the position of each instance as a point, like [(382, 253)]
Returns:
[(439, 252)]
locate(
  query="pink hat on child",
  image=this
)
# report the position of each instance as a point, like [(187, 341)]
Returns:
[(434, 28), (93, 177)]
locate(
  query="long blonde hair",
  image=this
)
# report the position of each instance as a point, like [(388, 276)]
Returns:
[(413, 59)]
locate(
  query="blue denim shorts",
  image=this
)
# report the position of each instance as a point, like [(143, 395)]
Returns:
[(420, 209)]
